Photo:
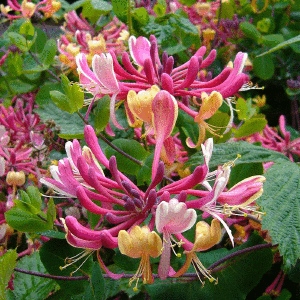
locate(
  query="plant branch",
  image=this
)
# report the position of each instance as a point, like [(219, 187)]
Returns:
[(48, 71), (214, 267)]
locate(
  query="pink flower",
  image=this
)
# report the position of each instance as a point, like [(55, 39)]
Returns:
[(171, 217)]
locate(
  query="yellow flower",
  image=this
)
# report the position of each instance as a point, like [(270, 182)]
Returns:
[(205, 237), (210, 104), (140, 104), (140, 242)]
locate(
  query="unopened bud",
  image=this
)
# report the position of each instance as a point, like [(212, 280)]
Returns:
[(15, 178)]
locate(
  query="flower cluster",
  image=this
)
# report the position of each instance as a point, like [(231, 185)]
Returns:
[(80, 37), (28, 8), (168, 208)]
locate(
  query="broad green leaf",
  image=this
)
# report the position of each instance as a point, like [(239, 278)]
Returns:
[(223, 153), (159, 9), (244, 109), (102, 113), (8, 262), (238, 277), (251, 126), (27, 29), (18, 40), (271, 40), (35, 197), (15, 64), (250, 31), (53, 254), (32, 287), (281, 45), (20, 87), (62, 101), (120, 9), (76, 97), (131, 147), (43, 95), (25, 221), (263, 67), (140, 15), (281, 203), (71, 125), (124, 262), (145, 172), (101, 5), (48, 53), (97, 284), (243, 171)]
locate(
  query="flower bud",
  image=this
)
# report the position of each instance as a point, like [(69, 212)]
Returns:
[(15, 178)]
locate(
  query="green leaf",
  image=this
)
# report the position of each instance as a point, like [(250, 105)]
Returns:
[(238, 277), (221, 120), (140, 15), (53, 234), (18, 40), (271, 40), (27, 29), (24, 221), (281, 45), (97, 283), (263, 66), (120, 9), (15, 64), (250, 153), (8, 262), (281, 203), (76, 97), (244, 109), (188, 3), (53, 254), (62, 101), (27, 286), (35, 197), (159, 9), (48, 53), (131, 147), (250, 31), (251, 126), (145, 172), (43, 95), (284, 295), (102, 113), (101, 5), (20, 87), (51, 212), (71, 125), (243, 171)]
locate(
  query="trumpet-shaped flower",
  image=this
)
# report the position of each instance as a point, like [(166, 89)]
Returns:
[(210, 104), (205, 237), (171, 217), (140, 243), (180, 81)]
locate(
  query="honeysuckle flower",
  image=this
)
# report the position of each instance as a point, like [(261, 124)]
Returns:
[(205, 237), (171, 217), (140, 243), (270, 138), (27, 8), (80, 37), (180, 81), (210, 104)]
